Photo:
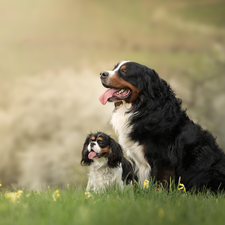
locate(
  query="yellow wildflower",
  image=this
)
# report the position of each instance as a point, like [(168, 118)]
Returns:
[(146, 184), (181, 187), (18, 193), (0, 185), (12, 196), (89, 195), (55, 195)]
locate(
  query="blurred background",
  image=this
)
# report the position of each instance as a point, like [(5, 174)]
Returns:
[(51, 54)]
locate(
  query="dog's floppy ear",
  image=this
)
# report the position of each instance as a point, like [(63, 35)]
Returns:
[(85, 161), (115, 154), (151, 86), (154, 86)]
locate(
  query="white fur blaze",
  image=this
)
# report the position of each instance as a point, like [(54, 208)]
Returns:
[(120, 122)]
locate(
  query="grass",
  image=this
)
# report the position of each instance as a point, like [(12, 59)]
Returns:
[(127, 207)]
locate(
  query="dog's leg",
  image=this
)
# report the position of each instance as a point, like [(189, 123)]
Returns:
[(89, 185), (165, 176)]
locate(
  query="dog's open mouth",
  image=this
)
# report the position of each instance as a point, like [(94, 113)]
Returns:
[(113, 94), (93, 154)]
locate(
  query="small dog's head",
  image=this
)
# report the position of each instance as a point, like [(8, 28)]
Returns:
[(98, 145)]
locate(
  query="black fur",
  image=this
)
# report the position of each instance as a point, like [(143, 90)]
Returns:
[(115, 155), (174, 145), (85, 161)]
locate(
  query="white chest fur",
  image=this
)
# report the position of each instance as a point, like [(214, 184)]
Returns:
[(101, 176), (120, 122)]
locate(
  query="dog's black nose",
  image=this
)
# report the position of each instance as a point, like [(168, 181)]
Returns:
[(104, 74), (92, 144)]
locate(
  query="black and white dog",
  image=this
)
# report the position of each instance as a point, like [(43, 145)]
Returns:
[(107, 164), (156, 132)]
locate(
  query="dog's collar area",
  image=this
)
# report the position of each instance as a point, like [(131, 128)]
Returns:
[(118, 104)]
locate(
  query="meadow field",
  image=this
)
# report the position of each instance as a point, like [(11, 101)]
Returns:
[(143, 206), (51, 54)]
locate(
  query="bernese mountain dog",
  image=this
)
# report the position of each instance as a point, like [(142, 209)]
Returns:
[(156, 132), (107, 164)]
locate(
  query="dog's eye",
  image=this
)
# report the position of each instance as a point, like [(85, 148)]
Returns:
[(124, 72)]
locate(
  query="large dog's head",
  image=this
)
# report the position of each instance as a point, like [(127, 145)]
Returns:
[(129, 81)]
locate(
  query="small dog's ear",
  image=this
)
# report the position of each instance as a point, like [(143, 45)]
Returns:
[(115, 154), (85, 161)]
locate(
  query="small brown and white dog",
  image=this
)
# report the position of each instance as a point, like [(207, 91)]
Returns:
[(107, 164)]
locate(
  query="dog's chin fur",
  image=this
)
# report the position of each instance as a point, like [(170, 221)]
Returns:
[(99, 162), (159, 136), (101, 176)]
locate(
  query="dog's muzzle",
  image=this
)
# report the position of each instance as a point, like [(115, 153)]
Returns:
[(104, 75)]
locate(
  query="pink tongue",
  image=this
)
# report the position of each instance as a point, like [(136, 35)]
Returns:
[(91, 155), (106, 95)]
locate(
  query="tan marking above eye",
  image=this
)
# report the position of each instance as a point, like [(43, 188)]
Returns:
[(123, 67), (100, 139), (116, 65), (93, 138)]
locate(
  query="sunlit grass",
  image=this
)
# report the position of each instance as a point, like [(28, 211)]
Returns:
[(143, 205), (50, 65)]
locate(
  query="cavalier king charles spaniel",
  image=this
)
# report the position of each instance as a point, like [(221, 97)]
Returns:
[(107, 164), (156, 132)]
